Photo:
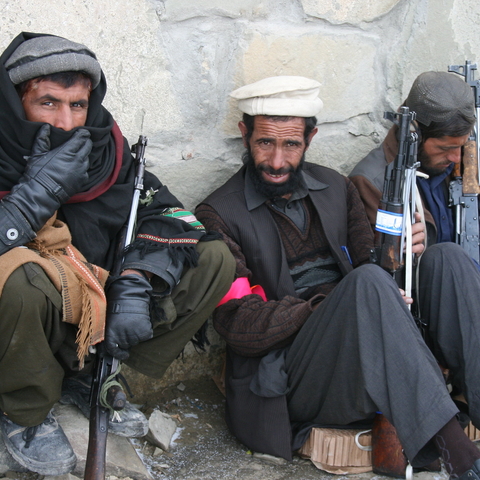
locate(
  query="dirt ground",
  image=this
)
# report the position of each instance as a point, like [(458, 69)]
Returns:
[(202, 448)]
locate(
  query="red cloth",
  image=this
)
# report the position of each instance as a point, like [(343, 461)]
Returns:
[(241, 287)]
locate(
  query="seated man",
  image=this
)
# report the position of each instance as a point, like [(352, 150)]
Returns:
[(323, 337), (66, 182), (445, 112)]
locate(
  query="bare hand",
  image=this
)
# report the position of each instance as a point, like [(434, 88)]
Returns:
[(407, 300), (418, 235), (131, 271)]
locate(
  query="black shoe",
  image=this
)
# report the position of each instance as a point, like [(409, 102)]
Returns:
[(463, 415), (128, 422), (43, 449), (473, 473)]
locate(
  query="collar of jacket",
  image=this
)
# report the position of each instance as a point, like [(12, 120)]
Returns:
[(254, 199)]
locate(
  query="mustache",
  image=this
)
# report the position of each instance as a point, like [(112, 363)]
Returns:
[(273, 190), (274, 171)]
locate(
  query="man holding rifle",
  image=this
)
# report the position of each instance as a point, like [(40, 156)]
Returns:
[(448, 273), (316, 335), (445, 109), (67, 180)]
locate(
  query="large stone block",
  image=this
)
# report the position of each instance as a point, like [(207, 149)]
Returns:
[(178, 10), (341, 145), (123, 34), (428, 36), (192, 180), (343, 64), (122, 460), (348, 11), (465, 18), (189, 365)]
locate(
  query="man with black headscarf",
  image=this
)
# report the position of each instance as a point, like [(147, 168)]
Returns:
[(66, 184)]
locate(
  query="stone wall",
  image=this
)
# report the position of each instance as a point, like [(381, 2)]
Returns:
[(170, 65)]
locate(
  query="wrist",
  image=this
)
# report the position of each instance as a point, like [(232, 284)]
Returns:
[(141, 273)]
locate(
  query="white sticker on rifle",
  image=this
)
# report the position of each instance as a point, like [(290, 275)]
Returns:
[(389, 222)]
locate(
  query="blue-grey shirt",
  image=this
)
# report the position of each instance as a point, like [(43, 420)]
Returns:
[(435, 197)]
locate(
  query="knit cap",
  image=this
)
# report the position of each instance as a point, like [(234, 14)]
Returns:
[(438, 96), (46, 55)]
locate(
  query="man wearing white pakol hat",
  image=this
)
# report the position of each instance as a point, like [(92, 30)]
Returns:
[(312, 328)]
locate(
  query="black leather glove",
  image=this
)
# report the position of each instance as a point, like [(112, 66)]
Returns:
[(128, 314), (51, 177)]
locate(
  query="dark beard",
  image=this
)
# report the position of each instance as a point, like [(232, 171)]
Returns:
[(273, 190), (424, 160)]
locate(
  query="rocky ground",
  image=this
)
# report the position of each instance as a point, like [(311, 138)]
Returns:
[(201, 447)]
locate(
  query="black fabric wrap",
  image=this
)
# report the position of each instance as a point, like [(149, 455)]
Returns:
[(95, 224)]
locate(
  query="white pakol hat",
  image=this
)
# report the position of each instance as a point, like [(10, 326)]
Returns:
[(285, 96)]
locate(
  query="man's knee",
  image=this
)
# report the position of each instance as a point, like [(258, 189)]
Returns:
[(31, 282), (20, 286), (216, 256), (439, 250), (445, 255), (28, 300), (369, 273)]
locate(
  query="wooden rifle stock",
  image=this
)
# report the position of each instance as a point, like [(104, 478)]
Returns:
[(470, 168), (97, 430), (464, 190), (465, 186), (387, 246), (97, 446), (95, 461), (397, 194)]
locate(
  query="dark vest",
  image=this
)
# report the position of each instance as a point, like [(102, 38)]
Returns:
[(257, 235)]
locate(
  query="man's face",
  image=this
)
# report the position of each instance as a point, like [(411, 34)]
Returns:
[(50, 102), (436, 154), (277, 148)]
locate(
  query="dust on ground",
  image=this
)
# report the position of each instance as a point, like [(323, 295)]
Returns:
[(203, 448)]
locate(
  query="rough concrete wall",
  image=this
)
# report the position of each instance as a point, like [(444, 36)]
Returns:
[(170, 65)]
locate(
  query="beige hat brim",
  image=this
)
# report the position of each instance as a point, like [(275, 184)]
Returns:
[(283, 107), (281, 96)]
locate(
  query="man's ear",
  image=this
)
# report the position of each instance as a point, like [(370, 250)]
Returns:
[(311, 135), (243, 131)]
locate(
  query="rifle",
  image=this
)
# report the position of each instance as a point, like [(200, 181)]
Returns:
[(465, 187), (393, 230), (396, 210), (106, 394)]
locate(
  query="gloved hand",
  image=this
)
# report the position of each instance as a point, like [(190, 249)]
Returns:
[(51, 177), (128, 314)]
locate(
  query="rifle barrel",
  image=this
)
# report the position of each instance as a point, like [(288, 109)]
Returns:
[(106, 365)]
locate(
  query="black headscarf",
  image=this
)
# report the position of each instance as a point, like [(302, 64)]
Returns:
[(95, 216), (17, 134), (106, 197)]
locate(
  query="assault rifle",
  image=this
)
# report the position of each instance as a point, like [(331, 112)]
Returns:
[(106, 393), (465, 186), (395, 214)]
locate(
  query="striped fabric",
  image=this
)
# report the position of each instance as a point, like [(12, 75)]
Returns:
[(184, 215)]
